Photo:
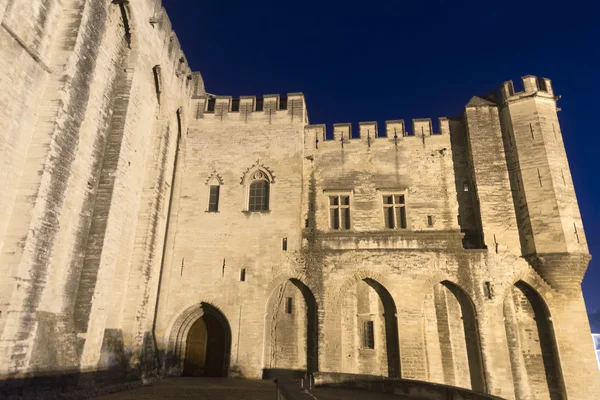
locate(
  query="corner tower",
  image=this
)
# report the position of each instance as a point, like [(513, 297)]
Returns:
[(550, 226)]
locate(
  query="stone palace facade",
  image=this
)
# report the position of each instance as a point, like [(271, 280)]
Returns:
[(148, 228)]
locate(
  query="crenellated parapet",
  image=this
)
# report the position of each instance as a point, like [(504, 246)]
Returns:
[(369, 134), (245, 108), (531, 85)]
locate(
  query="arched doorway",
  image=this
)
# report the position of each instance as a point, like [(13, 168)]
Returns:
[(208, 344), (531, 345), (291, 329), (370, 343), (452, 338)]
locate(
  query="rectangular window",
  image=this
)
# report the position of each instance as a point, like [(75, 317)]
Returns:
[(429, 220), (339, 212), (368, 335), (288, 305), (243, 275), (213, 201), (284, 244), (394, 211), (259, 196), (465, 187)]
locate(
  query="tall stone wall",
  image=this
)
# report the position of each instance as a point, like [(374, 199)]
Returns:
[(133, 205), (94, 99)]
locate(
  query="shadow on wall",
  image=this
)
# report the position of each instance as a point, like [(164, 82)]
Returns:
[(116, 372)]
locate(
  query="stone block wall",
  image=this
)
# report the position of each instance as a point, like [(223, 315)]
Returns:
[(90, 134), (133, 205)]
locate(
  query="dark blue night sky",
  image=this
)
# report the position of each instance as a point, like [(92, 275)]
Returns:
[(383, 60)]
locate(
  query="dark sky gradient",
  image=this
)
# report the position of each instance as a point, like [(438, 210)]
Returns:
[(384, 60)]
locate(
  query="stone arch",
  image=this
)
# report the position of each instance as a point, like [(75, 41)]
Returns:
[(356, 277), (451, 336), (291, 328), (257, 167), (282, 278), (368, 326), (178, 338), (532, 345)]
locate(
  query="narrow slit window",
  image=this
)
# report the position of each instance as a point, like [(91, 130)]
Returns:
[(394, 211), (284, 244), (213, 201), (368, 335), (289, 303), (429, 220), (243, 275), (339, 212)]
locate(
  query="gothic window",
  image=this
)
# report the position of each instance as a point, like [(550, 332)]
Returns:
[(213, 200), (339, 212), (368, 335), (214, 183), (257, 182), (258, 197), (394, 211)]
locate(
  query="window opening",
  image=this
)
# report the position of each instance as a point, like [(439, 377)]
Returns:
[(429, 220), (213, 200), (243, 275), (394, 211), (284, 244), (258, 199), (288, 305), (368, 335), (339, 212), (466, 187), (542, 84)]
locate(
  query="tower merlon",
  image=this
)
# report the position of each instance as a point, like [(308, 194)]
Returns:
[(395, 128), (422, 127), (342, 131), (315, 132), (531, 85), (367, 130), (444, 125)]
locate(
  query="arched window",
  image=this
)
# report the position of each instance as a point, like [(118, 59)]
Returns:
[(214, 183), (258, 195), (257, 181)]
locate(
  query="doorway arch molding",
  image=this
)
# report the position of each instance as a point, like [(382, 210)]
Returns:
[(181, 327)]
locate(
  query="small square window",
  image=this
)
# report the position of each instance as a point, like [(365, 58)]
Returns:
[(368, 335)]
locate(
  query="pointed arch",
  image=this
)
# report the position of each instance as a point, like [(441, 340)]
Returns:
[(532, 347), (180, 335), (256, 171), (451, 334), (368, 325), (291, 328)]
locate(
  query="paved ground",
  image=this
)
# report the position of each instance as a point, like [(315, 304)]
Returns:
[(200, 388), (347, 394), (230, 389)]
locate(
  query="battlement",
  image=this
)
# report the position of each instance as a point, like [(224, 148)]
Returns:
[(531, 85), (270, 105), (369, 133), (161, 23)]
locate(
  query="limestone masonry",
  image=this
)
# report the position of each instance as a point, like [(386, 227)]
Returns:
[(149, 229)]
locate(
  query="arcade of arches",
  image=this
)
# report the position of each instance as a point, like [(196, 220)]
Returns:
[(370, 335)]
